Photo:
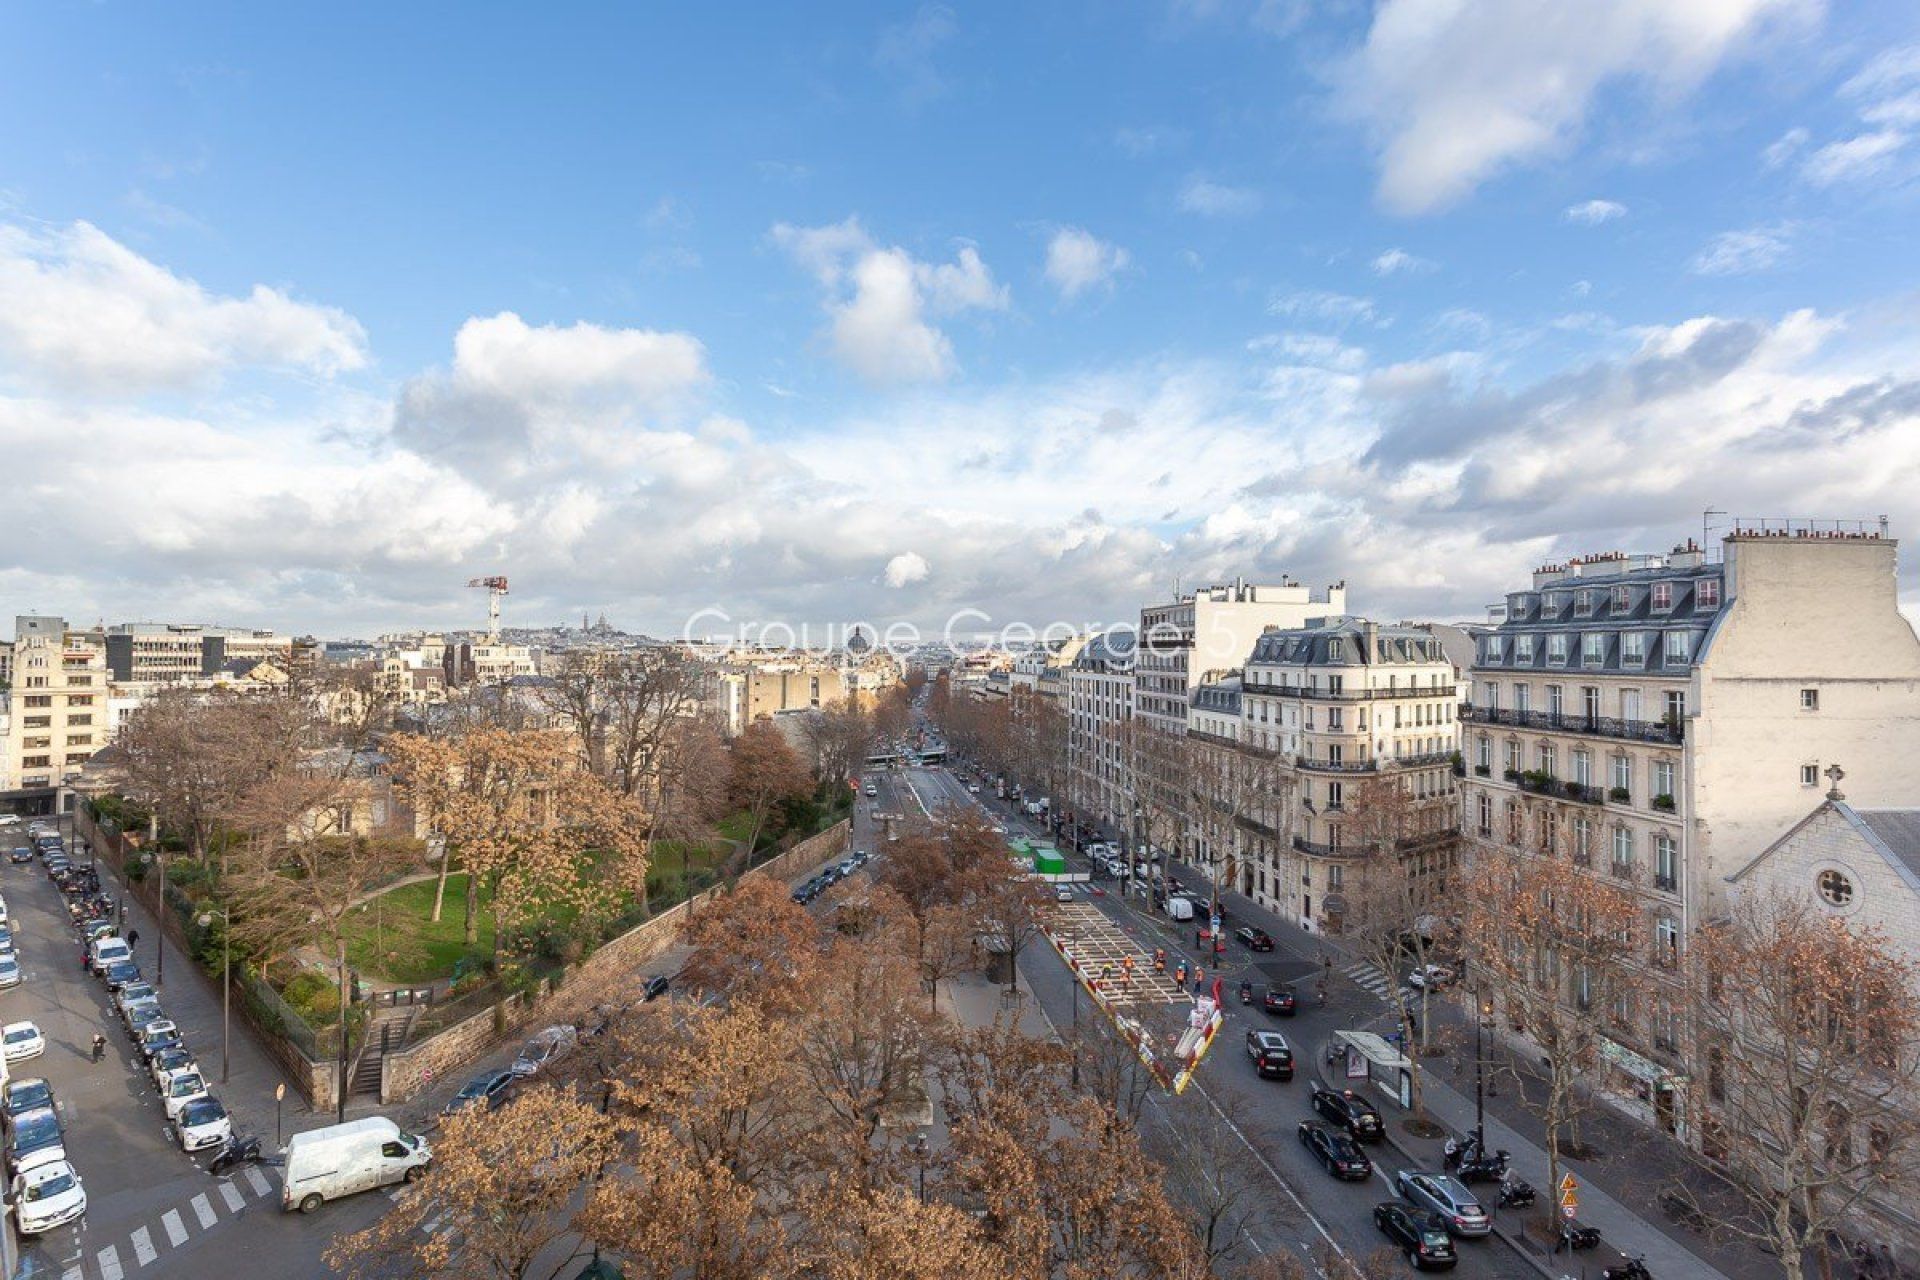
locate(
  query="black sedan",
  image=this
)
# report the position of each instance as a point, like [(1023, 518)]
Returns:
[(20, 853), (1253, 939), (1420, 1232), (656, 987), (489, 1092), (1337, 1153), (1271, 1055), (1279, 1001), (1349, 1111)]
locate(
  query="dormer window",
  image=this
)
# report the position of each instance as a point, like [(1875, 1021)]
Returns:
[(1706, 593), (1633, 648), (1662, 596), (1557, 648), (1679, 646), (1491, 651), (1523, 648), (1593, 648), (1556, 601), (1583, 604), (1622, 599)]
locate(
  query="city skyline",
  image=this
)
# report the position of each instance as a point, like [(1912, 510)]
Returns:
[(915, 309)]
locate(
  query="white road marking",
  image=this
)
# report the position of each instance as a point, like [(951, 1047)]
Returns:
[(257, 1181), (203, 1210), (73, 1273), (231, 1194), (433, 1224), (143, 1250), (176, 1229)]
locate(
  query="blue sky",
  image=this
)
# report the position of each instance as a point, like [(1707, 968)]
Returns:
[(884, 310)]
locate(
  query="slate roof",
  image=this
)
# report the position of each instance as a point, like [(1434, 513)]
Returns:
[(1341, 642), (1110, 650), (1528, 614), (1898, 830)]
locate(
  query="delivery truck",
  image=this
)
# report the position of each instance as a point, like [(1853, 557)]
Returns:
[(325, 1164)]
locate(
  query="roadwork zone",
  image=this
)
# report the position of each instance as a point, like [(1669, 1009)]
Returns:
[(1170, 1025)]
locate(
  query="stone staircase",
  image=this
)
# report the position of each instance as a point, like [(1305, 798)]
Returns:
[(387, 1032)]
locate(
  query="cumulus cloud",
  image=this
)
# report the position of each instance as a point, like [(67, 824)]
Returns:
[(1077, 260), (84, 313), (1739, 253), (879, 299), (1591, 213), (905, 568), (1396, 262), (1212, 199), (1455, 93)]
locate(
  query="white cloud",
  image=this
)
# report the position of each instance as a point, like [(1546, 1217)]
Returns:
[(1890, 70), (905, 51), (1211, 199), (1784, 147), (1320, 304), (1734, 253), (1592, 213), (83, 312), (879, 298), (1861, 156), (905, 568), (1396, 262), (1455, 93), (1077, 261)]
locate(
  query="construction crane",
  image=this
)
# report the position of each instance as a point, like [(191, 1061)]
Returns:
[(496, 587)]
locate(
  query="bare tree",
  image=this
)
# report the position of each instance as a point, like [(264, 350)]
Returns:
[(1809, 1032)]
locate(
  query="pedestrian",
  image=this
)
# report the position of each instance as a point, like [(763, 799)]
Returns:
[(1180, 973), (133, 937), (99, 1046)]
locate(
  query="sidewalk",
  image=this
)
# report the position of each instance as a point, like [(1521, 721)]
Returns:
[(1602, 1192)]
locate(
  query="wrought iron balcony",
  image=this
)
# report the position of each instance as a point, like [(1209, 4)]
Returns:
[(1663, 732), (1334, 766)]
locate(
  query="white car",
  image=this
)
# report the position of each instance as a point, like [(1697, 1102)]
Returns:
[(1432, 975), (1062, 894), (20, 1041), (203, 1123), (549, 1045), (9, 971), (47, 1196), (181, 1088), (169, 1063), (9, 819)]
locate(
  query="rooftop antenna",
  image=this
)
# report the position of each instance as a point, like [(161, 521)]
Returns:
[(1706, 526), (495, 588)]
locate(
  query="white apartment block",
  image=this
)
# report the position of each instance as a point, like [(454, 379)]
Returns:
[(1332, 704), (1660, 720), (1099, 705), (57, 709)]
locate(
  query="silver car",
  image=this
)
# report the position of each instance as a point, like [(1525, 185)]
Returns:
[(1446, 1196)]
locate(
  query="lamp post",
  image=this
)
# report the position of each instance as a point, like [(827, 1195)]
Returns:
[(159, 905), (226, 979), (1481, 1008)]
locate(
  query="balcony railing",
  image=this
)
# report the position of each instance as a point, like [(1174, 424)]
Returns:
[(1334, 766), (1656, 731), (1541, 784), (1431, 757), (1253, 684), (1667, 884)]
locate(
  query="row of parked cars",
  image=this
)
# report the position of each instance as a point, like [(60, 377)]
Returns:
[(825, 880), (45, 1188)]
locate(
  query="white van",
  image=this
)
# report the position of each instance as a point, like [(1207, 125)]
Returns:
[(111, 949), (325, 1164), (1179, 908)]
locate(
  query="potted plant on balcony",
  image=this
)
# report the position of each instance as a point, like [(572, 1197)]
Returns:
[(1663, 802), (1619, 795), (1459, 765), (1482, 770), (1512, 775), (1576, 789)]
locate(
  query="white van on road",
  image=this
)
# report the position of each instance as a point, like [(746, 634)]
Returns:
[(325, 1164)]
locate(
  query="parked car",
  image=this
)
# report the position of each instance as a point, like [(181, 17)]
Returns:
[(657, 986), (107, 950), (138, 1014), (204, 1123), (1446, 1196), (131, 992), (340, 1159), (33, 1139), (1253, 939), (1272, 1056), (169, 1063), (47, 1196), (489, 1092), (1436, 976), (1279, 1001), (1337, 1153), (9, 971), (158, 1035), (182, 1088), (1349, 1111), (1421, 1232), (20, 1041), (121, 974), (549, 1045), (58, 862), (25, 1094)]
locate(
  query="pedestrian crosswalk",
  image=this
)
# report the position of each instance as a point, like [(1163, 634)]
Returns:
[(144, 1245), (1370, 977)]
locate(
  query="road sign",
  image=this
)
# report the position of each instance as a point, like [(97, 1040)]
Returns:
[(1567, 1185), (1567, 1211), (1569, 1201)]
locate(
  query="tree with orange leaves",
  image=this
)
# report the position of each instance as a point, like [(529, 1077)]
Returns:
[(754, 944)]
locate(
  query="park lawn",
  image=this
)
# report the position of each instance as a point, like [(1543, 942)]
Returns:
[(394, 937)]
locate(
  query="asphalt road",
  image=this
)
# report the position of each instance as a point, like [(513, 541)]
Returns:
[(1265, 1111)]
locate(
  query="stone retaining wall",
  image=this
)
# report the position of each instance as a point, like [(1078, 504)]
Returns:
[(605, 977)]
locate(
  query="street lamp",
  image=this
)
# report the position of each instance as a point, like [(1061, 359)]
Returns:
[(226, 979), (1483, 1008)]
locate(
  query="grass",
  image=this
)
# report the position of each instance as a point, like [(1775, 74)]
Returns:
[(396, 939)]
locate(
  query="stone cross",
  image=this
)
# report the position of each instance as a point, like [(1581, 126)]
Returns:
[(1834, 774)]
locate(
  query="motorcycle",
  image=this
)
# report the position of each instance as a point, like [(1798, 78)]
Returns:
[(238, 1151), (1516, 1193), (1634, 1268), (1491, 1168), (1246, 993), (1578, 1237)]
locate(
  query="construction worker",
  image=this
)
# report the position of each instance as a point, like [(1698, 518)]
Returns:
[(1159, 959), (1180, 973)]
